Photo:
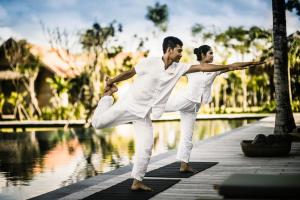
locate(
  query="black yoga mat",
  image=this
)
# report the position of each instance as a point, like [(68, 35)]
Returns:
[(122, 191), (172, 170), (260, 186)]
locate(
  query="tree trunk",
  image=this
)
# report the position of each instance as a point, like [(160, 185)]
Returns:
[(233, 96), (244, 87), (254, 97), (32, 93), (224, 96), (217, 95), (272, 86), (284, 120)]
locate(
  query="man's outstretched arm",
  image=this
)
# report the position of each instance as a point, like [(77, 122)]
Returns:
[(205, 67), (121, 77)]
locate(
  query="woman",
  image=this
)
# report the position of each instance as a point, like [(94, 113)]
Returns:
[(197, 92)]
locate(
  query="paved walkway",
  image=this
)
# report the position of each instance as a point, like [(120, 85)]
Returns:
[(224, 149)]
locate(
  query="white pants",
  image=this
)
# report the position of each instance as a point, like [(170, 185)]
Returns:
[(108, 115), (188, 113)]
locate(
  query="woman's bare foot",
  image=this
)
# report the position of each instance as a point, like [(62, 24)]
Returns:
[(186, 168), (139, 185)]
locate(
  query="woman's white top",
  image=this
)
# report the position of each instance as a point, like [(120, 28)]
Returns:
[(199, 86)]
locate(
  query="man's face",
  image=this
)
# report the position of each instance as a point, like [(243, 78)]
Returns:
[(176, 53)]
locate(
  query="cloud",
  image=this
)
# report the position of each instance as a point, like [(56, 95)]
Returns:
[(6, 32), (292, 23), (73, 15)]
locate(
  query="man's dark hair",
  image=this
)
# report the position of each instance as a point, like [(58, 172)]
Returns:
[(171, 42)]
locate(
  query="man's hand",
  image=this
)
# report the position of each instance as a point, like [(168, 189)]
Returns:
[(110, 87), (108, 81), (108, 84)]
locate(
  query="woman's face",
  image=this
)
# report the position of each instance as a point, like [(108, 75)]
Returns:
[(209, 57)]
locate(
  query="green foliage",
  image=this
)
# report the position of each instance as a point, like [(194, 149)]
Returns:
[(23, 62), (19, 57), (17, 105), (296, 105), (2, 100), (115, 50), (59, 84), (70, 112), (96, 36), (97, 42), (269, 107), (197, 29), (159, 15)]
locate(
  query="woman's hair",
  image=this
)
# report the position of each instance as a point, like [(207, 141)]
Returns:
[(203, 49)]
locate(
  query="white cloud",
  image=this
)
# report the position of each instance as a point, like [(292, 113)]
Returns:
[(292, 23), (6, 32)]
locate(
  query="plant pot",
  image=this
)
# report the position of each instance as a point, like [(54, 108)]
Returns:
[(265, 150)]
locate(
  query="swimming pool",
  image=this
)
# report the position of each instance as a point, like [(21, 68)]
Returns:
[(39, 161)]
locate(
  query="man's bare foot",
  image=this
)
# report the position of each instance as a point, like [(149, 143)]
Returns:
[(139, 185), (186, 168)]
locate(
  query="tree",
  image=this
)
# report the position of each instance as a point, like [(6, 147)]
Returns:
[(159, 15), (96, 42), (23, 62), (238, 39), (294, 64), (293, 4), (284, 120)]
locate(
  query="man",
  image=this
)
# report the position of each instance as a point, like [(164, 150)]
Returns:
[(156, 77)]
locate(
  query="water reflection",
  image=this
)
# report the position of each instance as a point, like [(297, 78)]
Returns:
[(33, 163)]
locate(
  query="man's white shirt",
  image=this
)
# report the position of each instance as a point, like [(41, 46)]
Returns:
[(152, 86)]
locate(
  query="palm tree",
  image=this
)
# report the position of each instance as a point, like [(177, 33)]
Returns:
[(284, 121)]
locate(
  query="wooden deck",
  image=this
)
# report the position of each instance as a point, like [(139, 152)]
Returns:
[(224, 149)]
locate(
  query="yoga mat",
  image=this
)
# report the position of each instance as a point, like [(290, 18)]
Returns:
[(122, 191), (260, 186), (172, 170)]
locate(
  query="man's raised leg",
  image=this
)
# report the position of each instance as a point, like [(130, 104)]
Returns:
[(104, 104)]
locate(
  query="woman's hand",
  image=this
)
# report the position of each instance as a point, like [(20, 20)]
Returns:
[(243, 65)]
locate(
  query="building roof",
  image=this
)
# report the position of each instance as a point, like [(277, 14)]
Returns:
[(58, 61)]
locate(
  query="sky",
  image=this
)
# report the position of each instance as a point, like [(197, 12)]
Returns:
[(22, 18)]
